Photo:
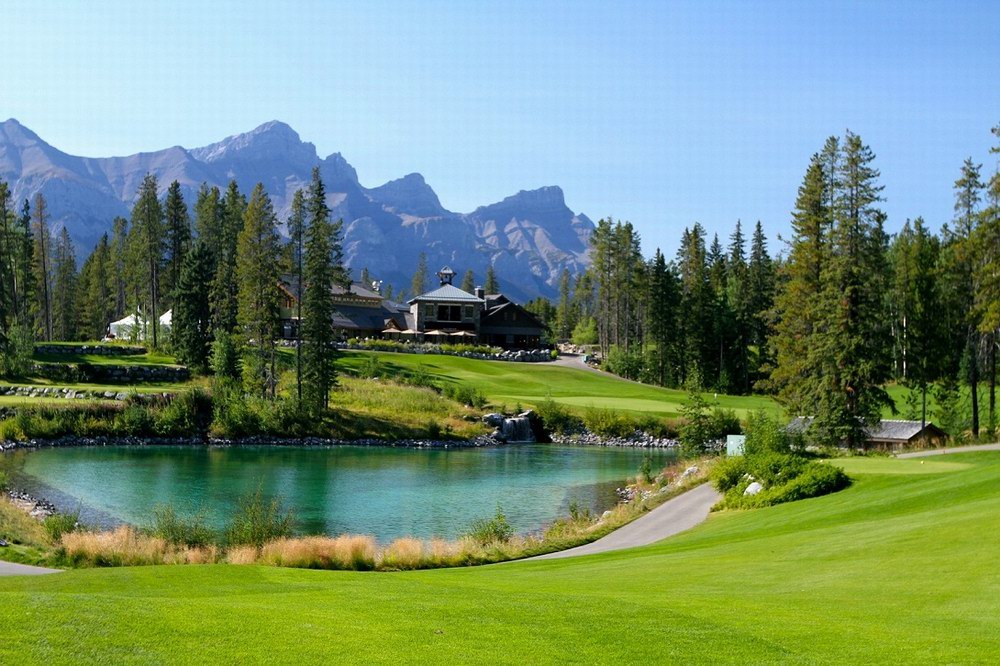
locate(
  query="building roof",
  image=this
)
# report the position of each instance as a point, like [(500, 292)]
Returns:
[(447, 292), (886, 430), (363, 318)]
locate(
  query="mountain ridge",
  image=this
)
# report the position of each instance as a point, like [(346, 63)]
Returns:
[(529, 237)]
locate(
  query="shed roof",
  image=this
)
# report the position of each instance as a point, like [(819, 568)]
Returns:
[(886, 430)]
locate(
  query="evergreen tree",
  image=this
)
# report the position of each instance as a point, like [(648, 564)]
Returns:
[(987, 242), (853, 337), (42, 262), (148, 245), (468, 281), (366, 278), (492, 285), (697, 310), (564, 310), (419, 283), (26, 269), (118, 271), (759, 297), (797, 375), (97, 304), (916, 309), (964, 259), (223, 291), (258, 251), (8, 269), (320, 273), (178, 238), (64, 296), (662, 325), (296, 232), (191, 335)]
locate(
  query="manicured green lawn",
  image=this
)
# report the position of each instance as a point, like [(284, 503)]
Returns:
[(899, 568), (527, 384), (149, 358)]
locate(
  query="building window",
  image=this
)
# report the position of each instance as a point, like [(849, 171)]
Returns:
[(468, 312), (449, 313), (429, 311)]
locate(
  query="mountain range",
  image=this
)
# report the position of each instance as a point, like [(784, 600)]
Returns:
[(529, 237)]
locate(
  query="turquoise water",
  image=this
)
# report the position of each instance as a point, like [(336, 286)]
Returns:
[(385, 492)]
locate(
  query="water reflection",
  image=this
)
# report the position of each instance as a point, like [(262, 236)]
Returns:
[(382, 491)]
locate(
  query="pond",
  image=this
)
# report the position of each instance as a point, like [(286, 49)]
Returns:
[(386, 492)]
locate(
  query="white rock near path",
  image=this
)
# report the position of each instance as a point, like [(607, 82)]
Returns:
[(753, 488)]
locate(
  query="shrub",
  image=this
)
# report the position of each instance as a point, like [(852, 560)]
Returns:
[(765, 434), (188, 413), (405, 553), (784, 477), (627, 364), (59, 524), (556, 417), (728, 472), (489, 531), (722, 422), (585, 332), (178, 531), (371, 367), (258, 521), (3, 480), (696, 431), (608, 422), (469, 396), (317, 552), (135, 419)]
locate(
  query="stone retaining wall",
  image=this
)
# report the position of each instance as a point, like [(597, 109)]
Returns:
[(102, 350), (118, 374)]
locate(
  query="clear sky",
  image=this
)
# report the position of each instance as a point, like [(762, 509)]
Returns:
[(662, 113)]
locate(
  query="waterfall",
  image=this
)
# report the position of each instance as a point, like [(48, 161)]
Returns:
[(517, 429)]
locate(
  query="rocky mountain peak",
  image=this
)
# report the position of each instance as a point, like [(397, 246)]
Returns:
[(410, 194)]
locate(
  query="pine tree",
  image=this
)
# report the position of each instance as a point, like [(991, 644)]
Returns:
[(320, 273), (737, 329), (962, 259), (564, 310), (797, 375), (223, 291), (8, 268), (419, 283), (118, 272), (759, 297), (178, 238), (296, 232), (987, 242), (148, 245), (468, 281), (42, 263), (191, 335), (492, 285), (258, 251), (96, 306), (26, 268), (662, 320), (64, 297), (853, 336)]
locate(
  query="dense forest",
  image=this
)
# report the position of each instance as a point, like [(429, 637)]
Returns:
[(824, 324), (218, 272)]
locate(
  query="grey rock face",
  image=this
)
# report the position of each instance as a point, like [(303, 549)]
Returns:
[(529, 237)]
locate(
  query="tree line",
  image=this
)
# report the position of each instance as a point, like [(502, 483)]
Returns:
[(218, 271), (825, 325)]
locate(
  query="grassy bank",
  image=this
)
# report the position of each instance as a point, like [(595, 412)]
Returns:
[(896, 569)]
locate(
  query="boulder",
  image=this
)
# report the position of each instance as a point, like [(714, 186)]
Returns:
[(753, 488)]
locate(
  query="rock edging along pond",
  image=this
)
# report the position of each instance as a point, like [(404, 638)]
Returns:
[(255, 440)]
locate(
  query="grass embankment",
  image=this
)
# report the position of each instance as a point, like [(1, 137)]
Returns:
[(898, 568), (509, 384)]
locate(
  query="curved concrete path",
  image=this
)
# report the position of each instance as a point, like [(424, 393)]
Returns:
[(13, 569), (954, 449), (673, 516)]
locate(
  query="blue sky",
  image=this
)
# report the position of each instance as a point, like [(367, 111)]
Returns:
[(662, 113)]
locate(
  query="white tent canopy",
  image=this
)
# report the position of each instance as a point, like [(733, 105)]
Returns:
[(134, 326)]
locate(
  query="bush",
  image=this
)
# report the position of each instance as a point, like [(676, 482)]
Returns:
[(765, 435), (371, 367), (3, 480), (728, 472), (469, 396), (188, 413), (258, 521), (135, 419), (722, 422), (784, 477), (177, 531), (556, 417), (627, 364), (61, 523), (585, 332), (489, 531), (608, 422)]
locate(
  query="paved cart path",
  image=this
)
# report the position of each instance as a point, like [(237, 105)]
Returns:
[(12, 569), (673, 516)]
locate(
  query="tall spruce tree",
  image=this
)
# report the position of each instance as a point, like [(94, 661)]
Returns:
[(320, 273), (118, 271), (148, 245), (177, 232), (662, 315), (492, 285), (97, 305), (853, 337), (64, 292), (759, 297), (468, 281), (42, 263), (191, 335), (564, 310), (296, 239), (258, 252), (418, 284), (223, 291), (988, 280)]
